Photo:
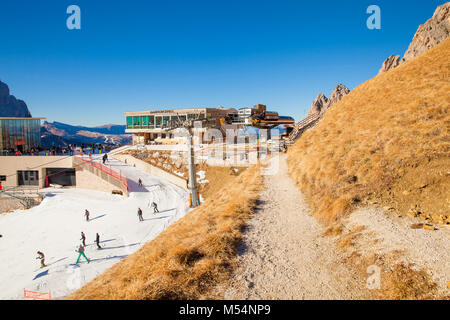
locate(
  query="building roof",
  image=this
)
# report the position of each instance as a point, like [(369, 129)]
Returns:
[(21, 118), (175, 111)]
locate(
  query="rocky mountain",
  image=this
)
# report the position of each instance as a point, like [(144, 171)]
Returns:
[(10, 106), (61, 134), (321, 104), (428, 35)]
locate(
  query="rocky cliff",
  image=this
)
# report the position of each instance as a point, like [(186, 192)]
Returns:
[(321, 104), (428, 35), (10, 106)]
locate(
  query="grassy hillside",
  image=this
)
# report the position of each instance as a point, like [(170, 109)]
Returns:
[(387, 142), (191, 256)]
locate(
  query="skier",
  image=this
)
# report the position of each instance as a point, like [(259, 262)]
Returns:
[(140, 214), (140, 182), (97, 241), (42, 258), (105, 157), (81, 253), (86, 214), (83, 238), (155, 207)]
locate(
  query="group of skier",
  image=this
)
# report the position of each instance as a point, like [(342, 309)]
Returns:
[(155, 210), (82, 246)]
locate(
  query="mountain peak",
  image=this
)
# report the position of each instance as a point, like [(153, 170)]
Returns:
[(10, 106), (428, 35), (321, 104)]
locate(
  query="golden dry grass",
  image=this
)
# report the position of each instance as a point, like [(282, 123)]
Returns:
[(217, 177), (387, 141), (191, 256)]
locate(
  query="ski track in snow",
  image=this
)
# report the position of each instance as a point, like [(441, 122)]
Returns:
[(54, 227)]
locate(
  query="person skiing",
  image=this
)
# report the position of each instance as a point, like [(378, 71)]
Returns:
[(83, 238), (81, 253), (140, 182), (155, 207), (42, 258), (140, 214), (97, 241), (86, 214), (105, 157)]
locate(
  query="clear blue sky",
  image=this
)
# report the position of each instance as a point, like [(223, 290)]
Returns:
[(140, 55)]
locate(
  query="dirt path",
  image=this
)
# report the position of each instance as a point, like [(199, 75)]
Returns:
[(285, 255)]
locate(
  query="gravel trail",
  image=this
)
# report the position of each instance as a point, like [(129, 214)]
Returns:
[(284, 254)]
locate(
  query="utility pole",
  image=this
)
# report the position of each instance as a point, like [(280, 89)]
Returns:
[(187, 127), (194, 199)]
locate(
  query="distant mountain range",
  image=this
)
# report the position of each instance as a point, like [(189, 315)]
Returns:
[(61, 134)]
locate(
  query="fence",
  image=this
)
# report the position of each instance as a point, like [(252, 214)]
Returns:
[(37, 295), (106, 173), (303, 125)]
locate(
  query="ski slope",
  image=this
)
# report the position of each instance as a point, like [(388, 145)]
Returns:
[(54, 227)]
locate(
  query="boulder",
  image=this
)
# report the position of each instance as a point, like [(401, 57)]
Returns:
[(178, 163)]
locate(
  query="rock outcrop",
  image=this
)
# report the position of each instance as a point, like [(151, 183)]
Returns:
[(10, 106), (338, 93), (428, 35), (321, 104), (390, 63), (431, 33)]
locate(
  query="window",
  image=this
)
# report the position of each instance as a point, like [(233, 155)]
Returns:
[(27, 178), (151, 122), (158, 121), (165, 119), (129, 122), (136, 122), (144, 121)]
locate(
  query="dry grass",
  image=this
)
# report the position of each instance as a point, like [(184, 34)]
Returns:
[(387, 141), (217, 177), (398, 280), (189, 258), (404, 282)]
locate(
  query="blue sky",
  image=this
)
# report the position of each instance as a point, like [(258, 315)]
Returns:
[(142, 55)]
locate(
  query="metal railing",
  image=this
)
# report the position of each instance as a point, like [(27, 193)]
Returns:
[(25, 198), (302, 125), (106, 173)]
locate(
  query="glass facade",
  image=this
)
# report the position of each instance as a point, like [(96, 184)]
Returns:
[(157, 121), (20, 134)]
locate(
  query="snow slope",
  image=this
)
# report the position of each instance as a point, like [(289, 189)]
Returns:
[(54, 227)]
